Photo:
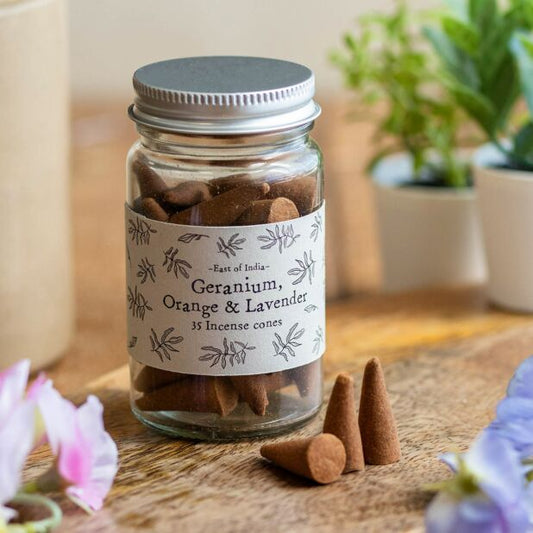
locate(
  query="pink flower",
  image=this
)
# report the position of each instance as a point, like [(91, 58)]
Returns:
[(17, 429), (86, 456), (13, 382)]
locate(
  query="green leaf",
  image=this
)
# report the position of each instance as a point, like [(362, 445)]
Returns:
[(494, 48), (523, 142), (477, 106), (522, 49), (458, 64), (462, 35), (521, 14), (482, 13), (504, 90)]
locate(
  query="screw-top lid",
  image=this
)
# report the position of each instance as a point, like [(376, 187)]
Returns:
[(223, 95)]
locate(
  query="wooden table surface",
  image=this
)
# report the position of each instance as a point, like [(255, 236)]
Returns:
[(447, 356)]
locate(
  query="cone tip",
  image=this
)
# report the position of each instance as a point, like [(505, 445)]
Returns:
[(344, 378), (373, 364)]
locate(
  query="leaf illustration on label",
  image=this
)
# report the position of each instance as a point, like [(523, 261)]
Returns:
[(306, 267), (137, 303), (140, 231), (145, 271), (310, 308), (230, 248), (165, 345), (128, 254), (175, 264), (284, 238), (318, 340), (132, 342), (285, 348), (233, 353), (317, 227), (189, 237)]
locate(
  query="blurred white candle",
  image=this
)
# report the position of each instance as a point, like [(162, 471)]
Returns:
[(35, 264)]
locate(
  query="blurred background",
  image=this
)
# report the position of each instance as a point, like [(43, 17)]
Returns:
[(107, 41), (110, 39)]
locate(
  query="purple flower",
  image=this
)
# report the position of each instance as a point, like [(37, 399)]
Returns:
[(521, 383), (514, 414), (514, 422), (488, 494), (86, 456)]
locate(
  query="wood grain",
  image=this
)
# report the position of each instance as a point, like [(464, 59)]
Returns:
[(441, 396)]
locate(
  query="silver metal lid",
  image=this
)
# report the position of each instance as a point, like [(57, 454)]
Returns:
[(223, 95)]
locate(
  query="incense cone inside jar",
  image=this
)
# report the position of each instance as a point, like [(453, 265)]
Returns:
[(187, 194), (379, 435), (276, 381), (194, 393), (253, 391), (321, 458), (150, 183), (302, 191), (222, 210), (150, 378), (341, 421), (303, 377), (226, 183), (268, 211), (151, 209)]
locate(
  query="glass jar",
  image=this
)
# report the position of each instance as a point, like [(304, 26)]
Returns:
[(225, 248)]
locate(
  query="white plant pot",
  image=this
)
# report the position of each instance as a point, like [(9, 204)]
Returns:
[(429, 236), (505, 200)]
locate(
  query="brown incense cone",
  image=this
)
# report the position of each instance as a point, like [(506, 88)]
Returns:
[(198, 394), (227, 183), (153, 210), (150, 378), (341, 421), (321, 458), (302, 191), (379, 435), (276, 381), (268, 211), (222, 210), (187, 194), (151, 184), (252, 390), (303, 377), (137, 205)]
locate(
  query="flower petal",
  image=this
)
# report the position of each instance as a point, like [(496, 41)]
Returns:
[(87, 455), (451, 460), (497, 468), (13, 383), (16, 441), (512, 408), (521, 383)]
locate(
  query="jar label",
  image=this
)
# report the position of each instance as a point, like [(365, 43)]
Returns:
[(226, 300)]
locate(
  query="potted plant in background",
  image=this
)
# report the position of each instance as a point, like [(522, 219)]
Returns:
[(428, 229), (488, 55)]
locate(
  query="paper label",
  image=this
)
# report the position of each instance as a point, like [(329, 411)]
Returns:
[(226, 300)]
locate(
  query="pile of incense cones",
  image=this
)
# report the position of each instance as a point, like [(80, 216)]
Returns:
[(348, 441)]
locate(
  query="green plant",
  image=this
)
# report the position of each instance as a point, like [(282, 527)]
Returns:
[(487, 52), (387, 63)]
